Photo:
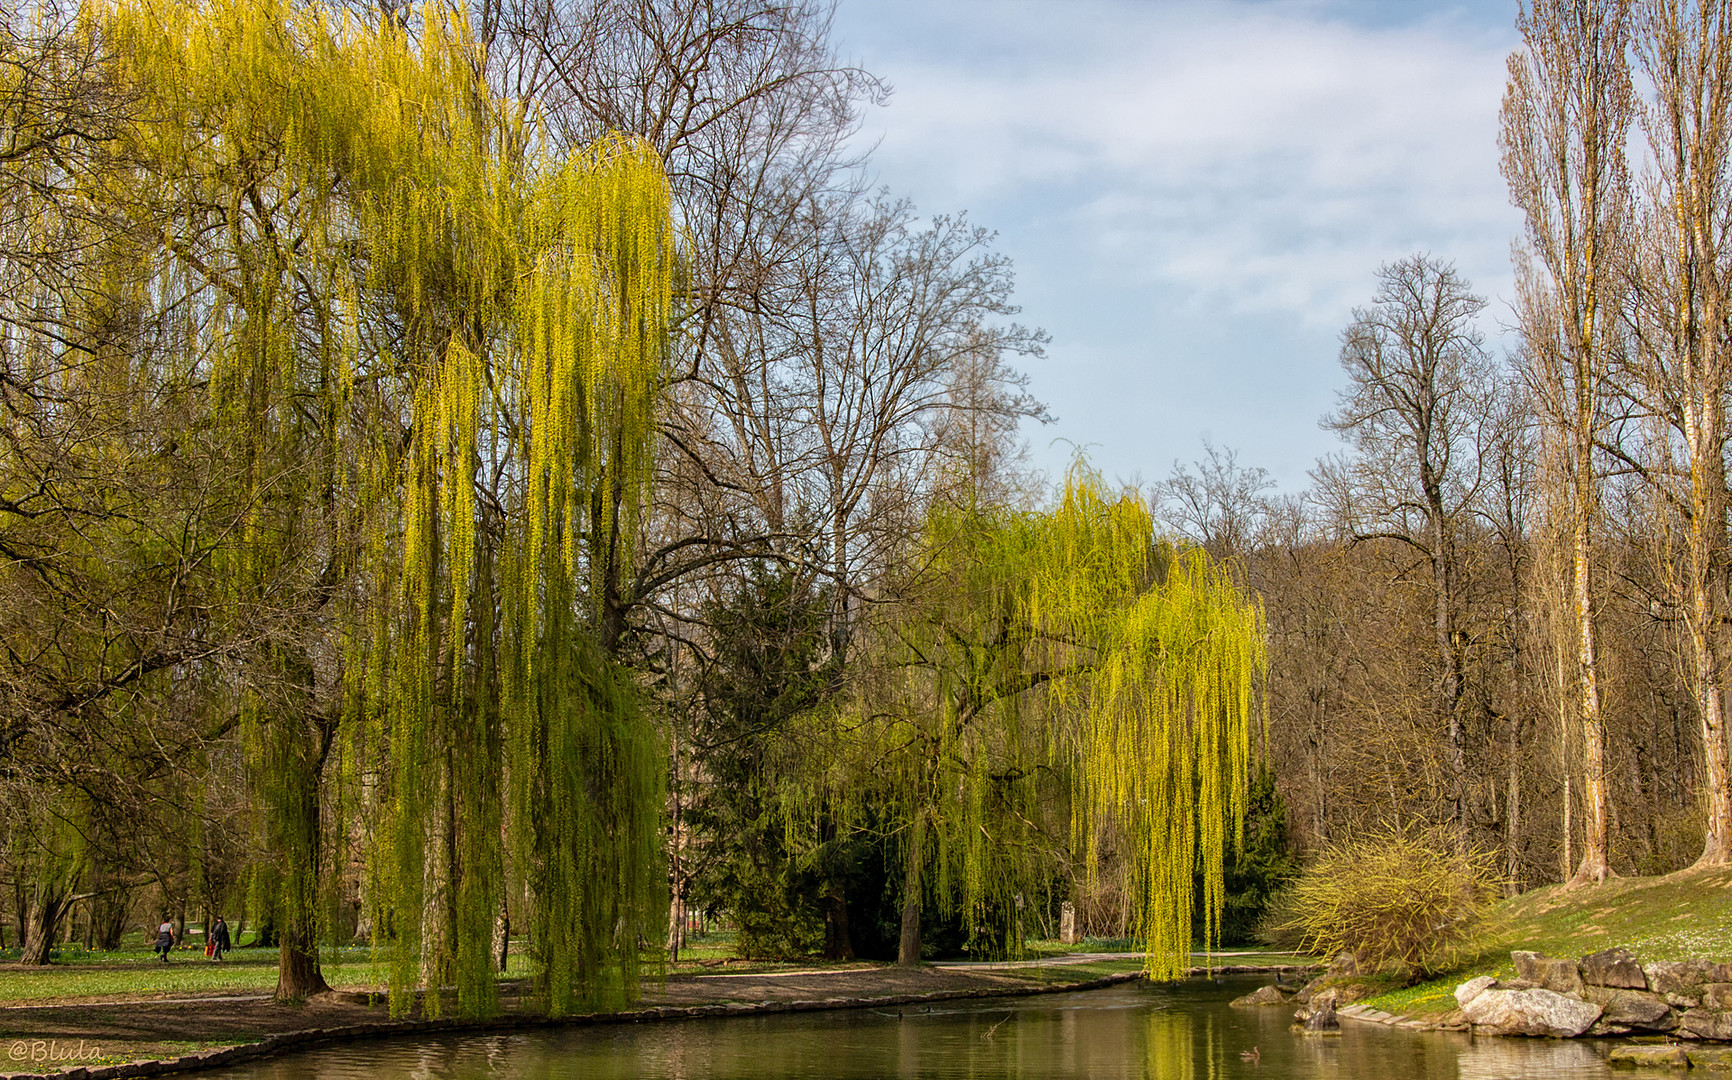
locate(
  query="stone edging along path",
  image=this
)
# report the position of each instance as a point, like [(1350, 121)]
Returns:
[(273, 1045), (1367, 1014)]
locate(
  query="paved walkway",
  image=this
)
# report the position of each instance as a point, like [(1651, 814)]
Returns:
[(1269, 960), (1045, 961)]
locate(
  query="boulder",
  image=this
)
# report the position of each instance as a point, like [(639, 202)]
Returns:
[(1263, 995), (1673, 1056), (1613, 967), (1472, 988), (1554, 973), (1531, 1012), (1713, 1024), (1710, 1057), (1320, 1016), (1344, 963), (1631, 1008), (1322, 999), (1346, 991), (1681, 977), (1717, 995)]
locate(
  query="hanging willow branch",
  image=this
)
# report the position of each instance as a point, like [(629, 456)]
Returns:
[(386, 222), (1070, 642)]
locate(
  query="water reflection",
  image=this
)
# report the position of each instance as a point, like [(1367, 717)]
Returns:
[(1136, 1032)]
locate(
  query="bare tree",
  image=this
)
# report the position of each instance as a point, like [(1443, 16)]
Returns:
[(1416, 411), (1220, 505), (1566, 115), (1682, 367)]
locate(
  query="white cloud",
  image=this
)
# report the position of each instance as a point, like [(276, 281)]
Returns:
[(1197, 192), (1259, 158)]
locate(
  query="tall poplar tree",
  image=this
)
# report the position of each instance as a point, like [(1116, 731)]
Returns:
[(1683, 368), (1566, 115)]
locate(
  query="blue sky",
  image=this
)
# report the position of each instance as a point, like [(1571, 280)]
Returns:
[(1196, 194)]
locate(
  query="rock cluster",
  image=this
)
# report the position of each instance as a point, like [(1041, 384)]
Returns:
[(1607, 993), (1318, 999), (1263, 995)]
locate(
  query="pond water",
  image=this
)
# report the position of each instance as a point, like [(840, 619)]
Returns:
[(1183, 1031)]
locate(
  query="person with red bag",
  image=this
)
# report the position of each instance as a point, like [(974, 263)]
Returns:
[(218, 942)]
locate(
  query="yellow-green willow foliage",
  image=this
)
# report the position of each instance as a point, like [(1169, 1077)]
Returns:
[(465, 332), (1144, 665)]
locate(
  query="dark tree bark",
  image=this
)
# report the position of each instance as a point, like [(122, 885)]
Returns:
[(837, 943), (48, 906), (908, 950)]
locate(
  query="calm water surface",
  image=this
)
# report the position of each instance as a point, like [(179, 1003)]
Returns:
[(1179, 1032)]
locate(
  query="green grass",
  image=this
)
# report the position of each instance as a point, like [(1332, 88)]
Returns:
[(1070, 973), (134, 970), (188, 977), (127, 972), (1054, 947), (715, 945), (1682, 916)]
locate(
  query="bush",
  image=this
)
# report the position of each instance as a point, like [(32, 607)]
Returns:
[(1400, 899)]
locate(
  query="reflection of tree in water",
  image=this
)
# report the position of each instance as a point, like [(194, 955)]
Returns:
[(1176, 1032), (1172, 1044)]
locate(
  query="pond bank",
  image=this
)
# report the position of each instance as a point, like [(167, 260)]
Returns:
[(147, 1037)]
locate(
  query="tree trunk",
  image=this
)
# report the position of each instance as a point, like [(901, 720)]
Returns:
[(48, 906), (298, 974), (1450, 687), (437, 892), (838, 945), (908, 950), (303, 744), (1569, 829), (1704, 421), (1513, 809), (1596, 830), (1706, 681)]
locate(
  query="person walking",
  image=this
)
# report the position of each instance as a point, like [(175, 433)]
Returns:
[(219, 938), (164, 940)]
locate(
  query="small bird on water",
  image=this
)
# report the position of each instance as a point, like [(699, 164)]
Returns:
[(1253, 1054)]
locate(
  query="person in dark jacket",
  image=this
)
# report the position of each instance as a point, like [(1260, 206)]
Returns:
[(164, 940), (219, 938)]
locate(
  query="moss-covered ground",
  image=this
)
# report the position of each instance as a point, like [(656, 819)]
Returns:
[(1687, 915)]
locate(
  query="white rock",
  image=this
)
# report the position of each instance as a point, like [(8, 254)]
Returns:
[(1530, 1012), (1472, 988)]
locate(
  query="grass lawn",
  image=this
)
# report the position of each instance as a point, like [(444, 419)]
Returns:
[(134, 971), (1682, 916), (127, 972)]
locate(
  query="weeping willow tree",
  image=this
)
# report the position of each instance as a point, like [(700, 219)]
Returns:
[(436, 347), (1067, 647)]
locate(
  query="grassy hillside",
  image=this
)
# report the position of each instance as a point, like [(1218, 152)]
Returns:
[(1677, 917)]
